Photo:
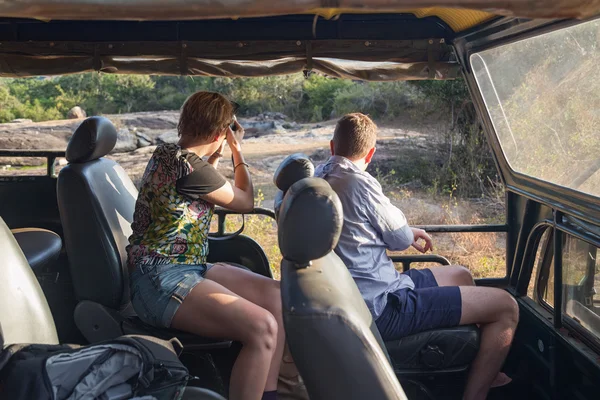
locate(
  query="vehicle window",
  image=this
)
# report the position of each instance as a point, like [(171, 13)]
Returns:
[(543, 97), (580, 283)]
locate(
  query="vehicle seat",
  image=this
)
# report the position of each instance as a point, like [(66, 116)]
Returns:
[(449, 350), (24, 313), (96, 200), (331, 334), (40, 246)]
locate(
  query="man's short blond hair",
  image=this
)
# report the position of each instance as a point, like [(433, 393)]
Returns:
[(355, 134), (203, 114)]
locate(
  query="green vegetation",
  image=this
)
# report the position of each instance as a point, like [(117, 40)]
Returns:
[(463, 162), (314, 99)]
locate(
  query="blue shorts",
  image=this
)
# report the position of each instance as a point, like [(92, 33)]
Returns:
[(427, 306), (157, 291)]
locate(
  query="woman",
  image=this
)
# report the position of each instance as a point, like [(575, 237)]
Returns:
[(172, 285)]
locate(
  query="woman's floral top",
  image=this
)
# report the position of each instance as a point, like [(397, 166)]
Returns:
[(171, 222)]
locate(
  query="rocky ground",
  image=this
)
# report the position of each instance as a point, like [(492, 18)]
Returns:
[(269, 138), (404, 149)]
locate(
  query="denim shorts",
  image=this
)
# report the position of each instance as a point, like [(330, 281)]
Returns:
[(427, 306), (157, 291)]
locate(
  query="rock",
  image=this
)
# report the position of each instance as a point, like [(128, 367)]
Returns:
[(271, 115), (320, 155), (143, 140), (141, 135), (148, 121), (279, 129), (310, 134), (126, 141), (21, 121), (168, 137), (28, 140), (76, 113), (258, 128), (145, 150), (293, 126)]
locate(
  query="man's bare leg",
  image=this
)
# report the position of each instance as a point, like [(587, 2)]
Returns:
[(452, 275), (497, 313), (457, 275)]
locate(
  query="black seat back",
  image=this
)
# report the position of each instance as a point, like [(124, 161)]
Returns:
[(24, 313), (96, 199), (330, 331)]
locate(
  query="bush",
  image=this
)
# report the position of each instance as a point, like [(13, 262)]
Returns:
[(467, 162), (319, 96), (381, 100)]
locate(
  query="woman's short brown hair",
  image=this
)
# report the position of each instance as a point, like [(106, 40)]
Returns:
[(203, 114), (355, 134)]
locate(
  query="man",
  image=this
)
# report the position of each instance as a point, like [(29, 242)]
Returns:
[(406, 303)]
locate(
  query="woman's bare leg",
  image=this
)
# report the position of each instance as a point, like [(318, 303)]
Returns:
[(212, 310), (262, 291)]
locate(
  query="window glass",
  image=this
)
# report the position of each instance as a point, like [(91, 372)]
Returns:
[(543, 97), (580, 283)]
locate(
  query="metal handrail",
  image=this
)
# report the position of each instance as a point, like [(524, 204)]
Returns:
[(408, 259), (464, 228), (51, 156), (223, 212)]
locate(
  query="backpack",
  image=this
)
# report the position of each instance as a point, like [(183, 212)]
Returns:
[(127, 367)]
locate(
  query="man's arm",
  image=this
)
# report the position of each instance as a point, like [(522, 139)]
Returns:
[(391, 223)]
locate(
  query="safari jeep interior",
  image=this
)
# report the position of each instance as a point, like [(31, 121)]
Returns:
[(533, 76)]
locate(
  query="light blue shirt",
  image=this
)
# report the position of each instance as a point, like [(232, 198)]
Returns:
[(372, 224)]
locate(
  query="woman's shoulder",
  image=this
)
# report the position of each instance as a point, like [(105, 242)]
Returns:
[(167, 151), (167, 164)]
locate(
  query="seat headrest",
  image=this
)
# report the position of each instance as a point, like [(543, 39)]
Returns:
[(94, 138), (310, 221), (293, 168)]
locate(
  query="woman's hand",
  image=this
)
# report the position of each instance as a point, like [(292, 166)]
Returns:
[(220, 150), (214, 158), (421, 234), (234, 139)]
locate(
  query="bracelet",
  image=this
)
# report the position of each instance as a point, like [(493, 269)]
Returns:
[(242, 163)]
